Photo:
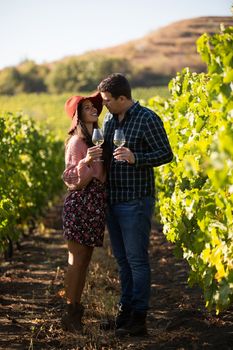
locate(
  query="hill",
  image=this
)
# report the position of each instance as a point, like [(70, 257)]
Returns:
[(168, 49), (148, 61)]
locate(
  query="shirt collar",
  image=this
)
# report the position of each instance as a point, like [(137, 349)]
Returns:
[(129, 111), (132, 109)]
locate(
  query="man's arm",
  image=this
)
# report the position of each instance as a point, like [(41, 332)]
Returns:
[(156, 138)]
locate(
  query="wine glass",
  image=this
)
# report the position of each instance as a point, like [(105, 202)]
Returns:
[(97, 139), (119, 140)]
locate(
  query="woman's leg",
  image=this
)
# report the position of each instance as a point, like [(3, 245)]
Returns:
[(79, 257)]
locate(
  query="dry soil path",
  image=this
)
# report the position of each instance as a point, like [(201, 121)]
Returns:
[(31, 305)]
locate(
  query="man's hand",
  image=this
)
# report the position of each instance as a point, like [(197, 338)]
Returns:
[(123, 153)]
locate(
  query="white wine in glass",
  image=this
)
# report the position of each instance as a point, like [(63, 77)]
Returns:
[(119, 138), (97, 139)]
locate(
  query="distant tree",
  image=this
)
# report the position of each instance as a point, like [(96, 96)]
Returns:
[(99, 67), (33, 76), (67, 76), (146, 77), (10, 81), (27, 77), (84, 75), (106, 66)]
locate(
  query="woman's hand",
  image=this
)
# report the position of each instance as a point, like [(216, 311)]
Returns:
[(93, 153)]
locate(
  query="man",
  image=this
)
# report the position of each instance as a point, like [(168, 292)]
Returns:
[(131, 196)]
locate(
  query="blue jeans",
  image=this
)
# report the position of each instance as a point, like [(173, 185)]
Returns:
[(129, 226)]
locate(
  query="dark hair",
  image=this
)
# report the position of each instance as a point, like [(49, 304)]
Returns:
[(117, 85), (85, 132), (88, 137)]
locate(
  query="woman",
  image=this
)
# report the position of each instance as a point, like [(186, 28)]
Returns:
[(84, 206)]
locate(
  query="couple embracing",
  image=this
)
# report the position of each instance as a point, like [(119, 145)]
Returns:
[(118, 191)]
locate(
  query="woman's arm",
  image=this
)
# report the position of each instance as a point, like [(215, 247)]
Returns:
[(78, 172)]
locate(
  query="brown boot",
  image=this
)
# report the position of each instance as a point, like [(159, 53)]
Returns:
[(72, 319)]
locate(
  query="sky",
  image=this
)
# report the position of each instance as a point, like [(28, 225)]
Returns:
[(49, 30)]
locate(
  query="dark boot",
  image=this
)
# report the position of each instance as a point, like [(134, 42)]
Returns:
[(135, 327), (123, 316), (72, 319)]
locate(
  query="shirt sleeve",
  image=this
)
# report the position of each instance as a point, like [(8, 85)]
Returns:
[(77, 173), (159, 150)]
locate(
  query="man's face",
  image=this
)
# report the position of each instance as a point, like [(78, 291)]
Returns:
[(114, 105)]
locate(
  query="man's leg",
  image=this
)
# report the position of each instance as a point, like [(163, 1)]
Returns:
[(118, 248), (134, 219)]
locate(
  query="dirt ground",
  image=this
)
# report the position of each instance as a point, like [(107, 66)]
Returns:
[(31, 300)]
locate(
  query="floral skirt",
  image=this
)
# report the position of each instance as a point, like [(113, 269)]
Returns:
[(84, 214)]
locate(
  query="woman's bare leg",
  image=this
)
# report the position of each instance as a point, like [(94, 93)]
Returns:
[(79, 257)]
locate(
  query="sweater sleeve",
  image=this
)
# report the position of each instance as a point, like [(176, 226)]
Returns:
[(77, 173)]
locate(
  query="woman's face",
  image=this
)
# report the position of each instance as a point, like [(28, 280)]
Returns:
[(89, 112)]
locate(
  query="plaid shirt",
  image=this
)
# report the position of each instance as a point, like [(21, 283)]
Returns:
[(146, 138)]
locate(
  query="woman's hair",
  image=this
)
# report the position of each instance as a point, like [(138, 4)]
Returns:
[(117, 85), (82, 127)]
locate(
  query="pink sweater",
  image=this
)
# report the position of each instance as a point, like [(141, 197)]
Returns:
[(77, 173)]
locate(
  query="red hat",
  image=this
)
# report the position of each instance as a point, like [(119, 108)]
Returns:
[(73, 102)]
